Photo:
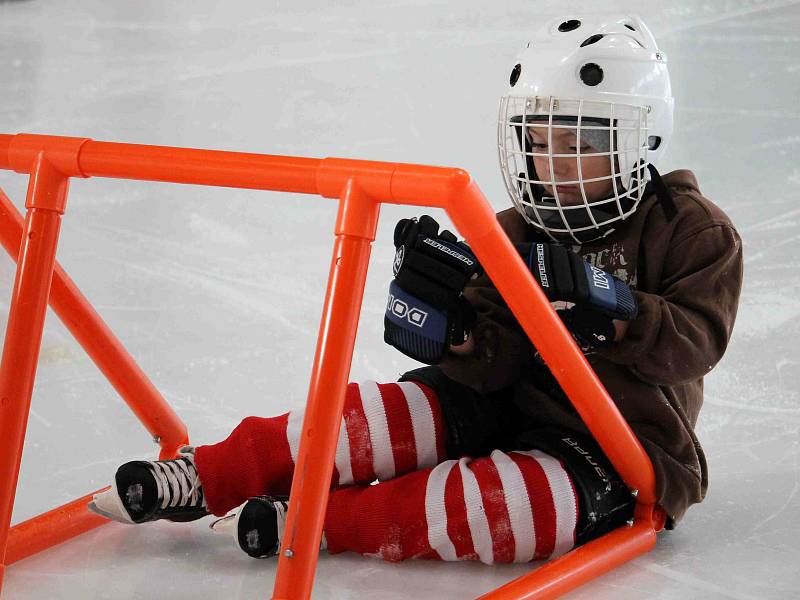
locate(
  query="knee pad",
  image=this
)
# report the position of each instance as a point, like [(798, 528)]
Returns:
[(605, 501)]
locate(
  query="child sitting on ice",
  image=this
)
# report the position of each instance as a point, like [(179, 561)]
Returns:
[(480, 455)]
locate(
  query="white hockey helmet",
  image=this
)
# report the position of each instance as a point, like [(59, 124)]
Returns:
[(604, 78)]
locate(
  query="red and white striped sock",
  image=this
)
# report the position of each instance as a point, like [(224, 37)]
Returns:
[(387, 430), (508, 507)]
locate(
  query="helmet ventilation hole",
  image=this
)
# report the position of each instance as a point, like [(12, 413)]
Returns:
[(570, 25), (591, 74), (653, 142), (592, 40), (631, 27), (515, 73)]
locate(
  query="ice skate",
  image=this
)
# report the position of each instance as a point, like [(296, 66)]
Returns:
[(151, 490), (257, 526)]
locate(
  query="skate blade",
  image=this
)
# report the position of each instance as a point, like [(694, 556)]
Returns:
[(226, 525), (108, 504)]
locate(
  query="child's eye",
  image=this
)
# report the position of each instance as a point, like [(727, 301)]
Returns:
[(539, 146), (584, 148)]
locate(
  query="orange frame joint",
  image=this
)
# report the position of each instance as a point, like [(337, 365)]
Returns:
[(360, 187)]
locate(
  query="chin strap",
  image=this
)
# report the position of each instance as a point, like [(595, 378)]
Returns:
[(662, 192)]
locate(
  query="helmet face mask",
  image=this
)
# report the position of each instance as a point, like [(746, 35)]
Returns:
[(568, 196), (589, 109)]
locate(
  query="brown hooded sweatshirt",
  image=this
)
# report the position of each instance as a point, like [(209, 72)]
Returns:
[(686, 272)]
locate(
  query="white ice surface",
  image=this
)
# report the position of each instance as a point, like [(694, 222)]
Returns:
[(218, 292)]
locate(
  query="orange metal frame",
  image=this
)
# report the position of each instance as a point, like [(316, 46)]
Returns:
[(361, 187)]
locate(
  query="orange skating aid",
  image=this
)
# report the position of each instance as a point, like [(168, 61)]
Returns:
[(360, 187)]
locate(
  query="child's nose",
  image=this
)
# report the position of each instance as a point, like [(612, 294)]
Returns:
[(563, 167)]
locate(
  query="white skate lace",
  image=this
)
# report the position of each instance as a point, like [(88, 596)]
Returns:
[(178, 483)]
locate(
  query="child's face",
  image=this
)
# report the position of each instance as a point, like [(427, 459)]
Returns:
[(565, 169)]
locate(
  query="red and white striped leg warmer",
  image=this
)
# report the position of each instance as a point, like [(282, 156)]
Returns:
[(508, 507), (386, 430)]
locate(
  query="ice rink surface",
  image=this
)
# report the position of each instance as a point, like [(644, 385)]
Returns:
[(218, 292)]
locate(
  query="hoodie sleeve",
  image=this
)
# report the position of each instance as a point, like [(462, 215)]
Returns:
[(683, 329), (502, 350), (501, 347)]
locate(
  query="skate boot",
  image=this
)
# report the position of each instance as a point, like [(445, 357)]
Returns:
[(150, 490), (257, 526)]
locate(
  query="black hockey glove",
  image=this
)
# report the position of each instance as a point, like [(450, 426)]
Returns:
[(598, 296), (426, 312), (590, 328)]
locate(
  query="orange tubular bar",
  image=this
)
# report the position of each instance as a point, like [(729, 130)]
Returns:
[(51, 528), (47, 193), (355, 230), (557, 577), (101, 345), (360, 186), (567, 363)]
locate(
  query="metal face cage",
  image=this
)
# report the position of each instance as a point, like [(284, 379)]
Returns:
[(566, 197)]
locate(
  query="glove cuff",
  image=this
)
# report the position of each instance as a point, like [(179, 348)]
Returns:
[(415, 327)]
